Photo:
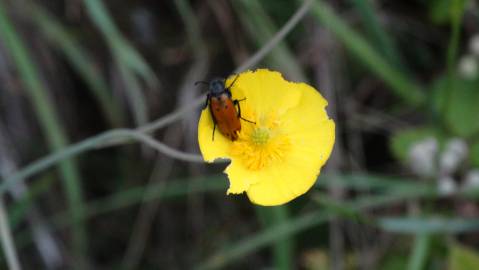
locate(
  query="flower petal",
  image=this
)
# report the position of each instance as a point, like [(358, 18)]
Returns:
[(265, 91), (279, 186), (240, 178), (309, 126), (211, 149), (312, 136)]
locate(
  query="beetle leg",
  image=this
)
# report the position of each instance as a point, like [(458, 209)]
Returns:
[(238, 107), (239, 100), (249, 121), (206, 101), (214, 124), (214, 127)]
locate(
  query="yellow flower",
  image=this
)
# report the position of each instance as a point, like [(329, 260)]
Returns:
[(279, 156)]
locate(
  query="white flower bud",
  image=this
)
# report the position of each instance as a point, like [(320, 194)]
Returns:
[(422, 157), (471, 179), (468, 67), (454, 153), (474, 45), (446, 186)]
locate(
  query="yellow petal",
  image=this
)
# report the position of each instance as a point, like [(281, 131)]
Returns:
[(312, 136), (285, 181), (211, 149), (265, 91), (309, 126), (281, 186), (239, 177)]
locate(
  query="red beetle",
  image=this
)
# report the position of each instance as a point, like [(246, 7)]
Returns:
[(225, 112)]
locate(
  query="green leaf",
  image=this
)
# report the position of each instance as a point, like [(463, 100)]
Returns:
[(463, 258), (403, 140), (429, 225), (463, 108), (439, 95), (457, 104), (439, 11), (474, 154)]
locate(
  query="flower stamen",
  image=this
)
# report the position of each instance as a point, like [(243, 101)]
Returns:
[(260, 136), (260, 146)]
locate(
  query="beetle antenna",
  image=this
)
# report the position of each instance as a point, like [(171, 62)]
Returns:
[(203, 82), (231, 85)]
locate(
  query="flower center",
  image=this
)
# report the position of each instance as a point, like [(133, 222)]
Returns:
[(261, 145), (260, 136)]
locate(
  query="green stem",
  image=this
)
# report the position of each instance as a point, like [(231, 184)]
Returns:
[(7, 240), (419, 252), (457, 11), (89, 144)]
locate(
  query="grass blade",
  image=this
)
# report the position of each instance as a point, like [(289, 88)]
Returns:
[(7, 241), (362, 182), (418, 258), (19, 209), (128, 60), (417, 225), (295, 225), (49, 122), (174, 189), (81, 61), (380, 39), (261, 29), (402, 86)]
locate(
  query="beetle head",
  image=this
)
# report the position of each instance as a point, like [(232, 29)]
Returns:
[(217, 86)]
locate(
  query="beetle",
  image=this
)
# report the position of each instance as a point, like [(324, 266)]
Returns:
[(225, 112)]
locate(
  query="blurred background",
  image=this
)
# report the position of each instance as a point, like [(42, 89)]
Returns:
[(400, 191)]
